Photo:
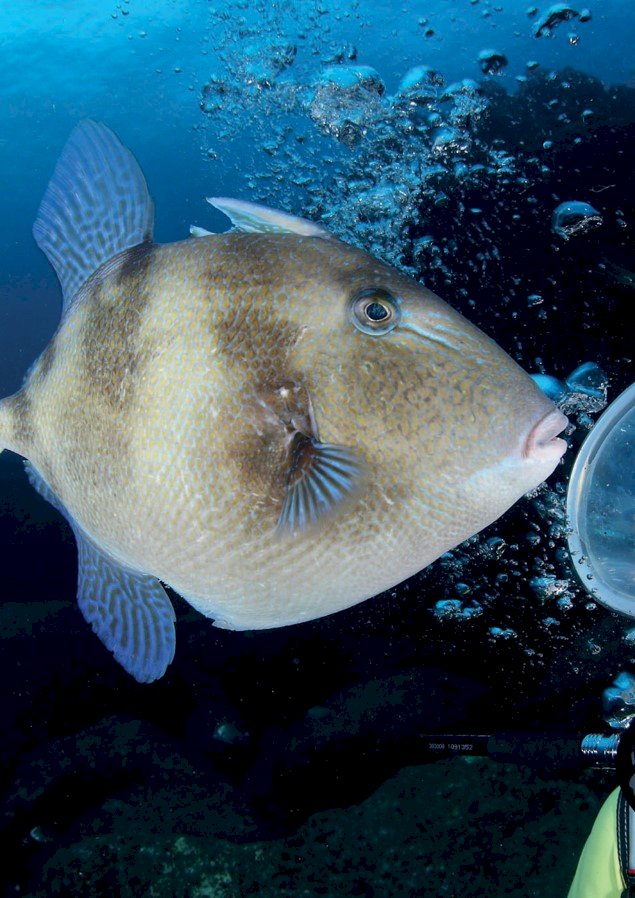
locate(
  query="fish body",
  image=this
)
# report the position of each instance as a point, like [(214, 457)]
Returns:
[(268, 420)]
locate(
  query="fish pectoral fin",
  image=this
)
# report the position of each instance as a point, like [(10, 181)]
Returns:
[(321, 477), (261, 219), (130, 612)]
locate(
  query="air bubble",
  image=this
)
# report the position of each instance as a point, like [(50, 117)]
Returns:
[(500, 633), (590, 380), (447, 608), (555, 15), (492, 62), (572, 218)]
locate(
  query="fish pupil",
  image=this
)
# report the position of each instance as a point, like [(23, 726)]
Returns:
[(376, 312)]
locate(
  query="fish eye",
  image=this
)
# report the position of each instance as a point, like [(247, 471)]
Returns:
[(374, 311)]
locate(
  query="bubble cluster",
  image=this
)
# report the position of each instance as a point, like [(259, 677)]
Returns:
[(344, 101), (419, 85), (582, 393), (548, 587), (619, 701), (455, 609), (499, 633)]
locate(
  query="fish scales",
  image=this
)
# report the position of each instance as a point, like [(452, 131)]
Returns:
[(201, 393), (268, 420)]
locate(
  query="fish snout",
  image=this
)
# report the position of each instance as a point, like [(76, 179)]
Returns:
[(543, 443)]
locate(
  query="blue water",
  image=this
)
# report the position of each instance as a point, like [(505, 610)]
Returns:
[(249, 735)]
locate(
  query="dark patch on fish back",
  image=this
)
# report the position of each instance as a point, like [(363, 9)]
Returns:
[(252, 329), (135, 262), (46, 361), (252, 335), (117, 302)]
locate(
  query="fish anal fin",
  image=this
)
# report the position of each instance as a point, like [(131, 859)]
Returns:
[(129, 611)]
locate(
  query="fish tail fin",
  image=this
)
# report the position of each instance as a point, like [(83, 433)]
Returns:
[(95, 206)]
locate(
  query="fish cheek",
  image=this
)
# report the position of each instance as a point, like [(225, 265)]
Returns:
[(395, 391)]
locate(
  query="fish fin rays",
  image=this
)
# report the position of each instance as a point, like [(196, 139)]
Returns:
[(253, 218), (322, 476), (130, 612), (95, 206)]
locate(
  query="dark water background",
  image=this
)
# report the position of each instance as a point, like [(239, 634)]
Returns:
[(290, 762)]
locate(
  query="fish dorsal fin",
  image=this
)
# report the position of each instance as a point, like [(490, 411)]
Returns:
[(96, 205), (195, 231), (260, 219), (321, 477), (129, 611)]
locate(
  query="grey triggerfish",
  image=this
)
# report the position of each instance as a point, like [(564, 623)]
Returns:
[(268, 420)]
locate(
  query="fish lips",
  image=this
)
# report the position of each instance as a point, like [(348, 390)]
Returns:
[(543, 443)]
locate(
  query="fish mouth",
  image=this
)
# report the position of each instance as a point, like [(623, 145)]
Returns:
[(543, 442)]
